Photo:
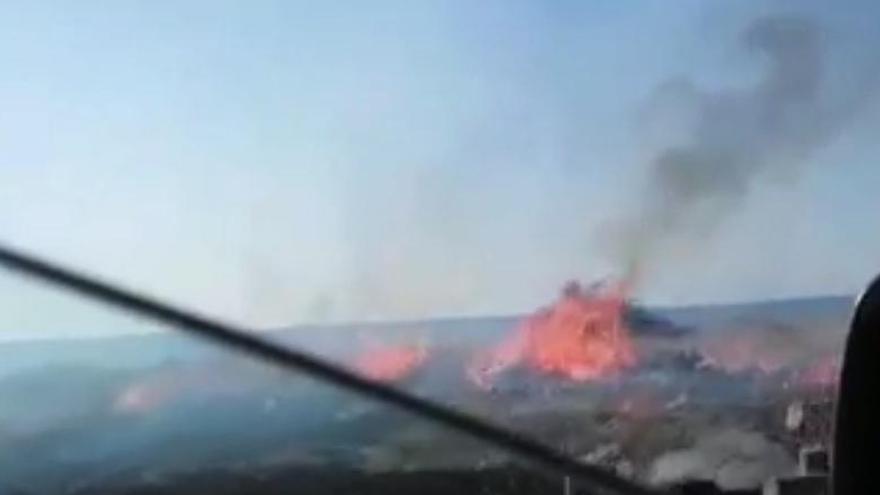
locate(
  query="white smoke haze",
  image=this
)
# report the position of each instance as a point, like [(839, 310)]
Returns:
[(733, 459)]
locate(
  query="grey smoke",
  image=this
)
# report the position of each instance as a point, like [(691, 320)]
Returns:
[(732, 458), (732, 139)]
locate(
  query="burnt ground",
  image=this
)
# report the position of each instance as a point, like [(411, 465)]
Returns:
[(238, 428), (496, 481), (327, 481), (382, 451)]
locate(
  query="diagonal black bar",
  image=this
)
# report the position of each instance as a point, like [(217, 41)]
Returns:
[(589, 477)]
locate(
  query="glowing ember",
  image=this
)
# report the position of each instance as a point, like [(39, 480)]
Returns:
[(391, 364), (582, 337), (149, 394), (823, 373), (744, 353), (639, 404), (166, 386), (139, 399)]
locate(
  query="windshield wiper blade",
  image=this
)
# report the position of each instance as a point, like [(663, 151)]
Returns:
[(588, 477)]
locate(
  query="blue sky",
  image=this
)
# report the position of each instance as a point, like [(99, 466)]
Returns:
[(282, 162)]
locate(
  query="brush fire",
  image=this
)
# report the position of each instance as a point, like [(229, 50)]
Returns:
[(733, 395), (584, 353), (581, 337), (590, 372), (391, 363)]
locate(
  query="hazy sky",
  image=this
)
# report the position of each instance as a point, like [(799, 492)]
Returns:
[(282, 162)]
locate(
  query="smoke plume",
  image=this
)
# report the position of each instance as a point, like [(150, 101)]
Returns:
[(732, 458), (734, 138)]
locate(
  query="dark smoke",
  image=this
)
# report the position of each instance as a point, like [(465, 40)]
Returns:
[(735, 138)]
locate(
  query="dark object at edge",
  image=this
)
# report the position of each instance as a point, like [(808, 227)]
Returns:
[(857, 429)]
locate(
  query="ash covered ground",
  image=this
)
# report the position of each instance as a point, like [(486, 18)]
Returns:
[(730, 394)]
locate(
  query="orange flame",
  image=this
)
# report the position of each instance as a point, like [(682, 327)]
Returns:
[(391, 364), (582, 337)]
